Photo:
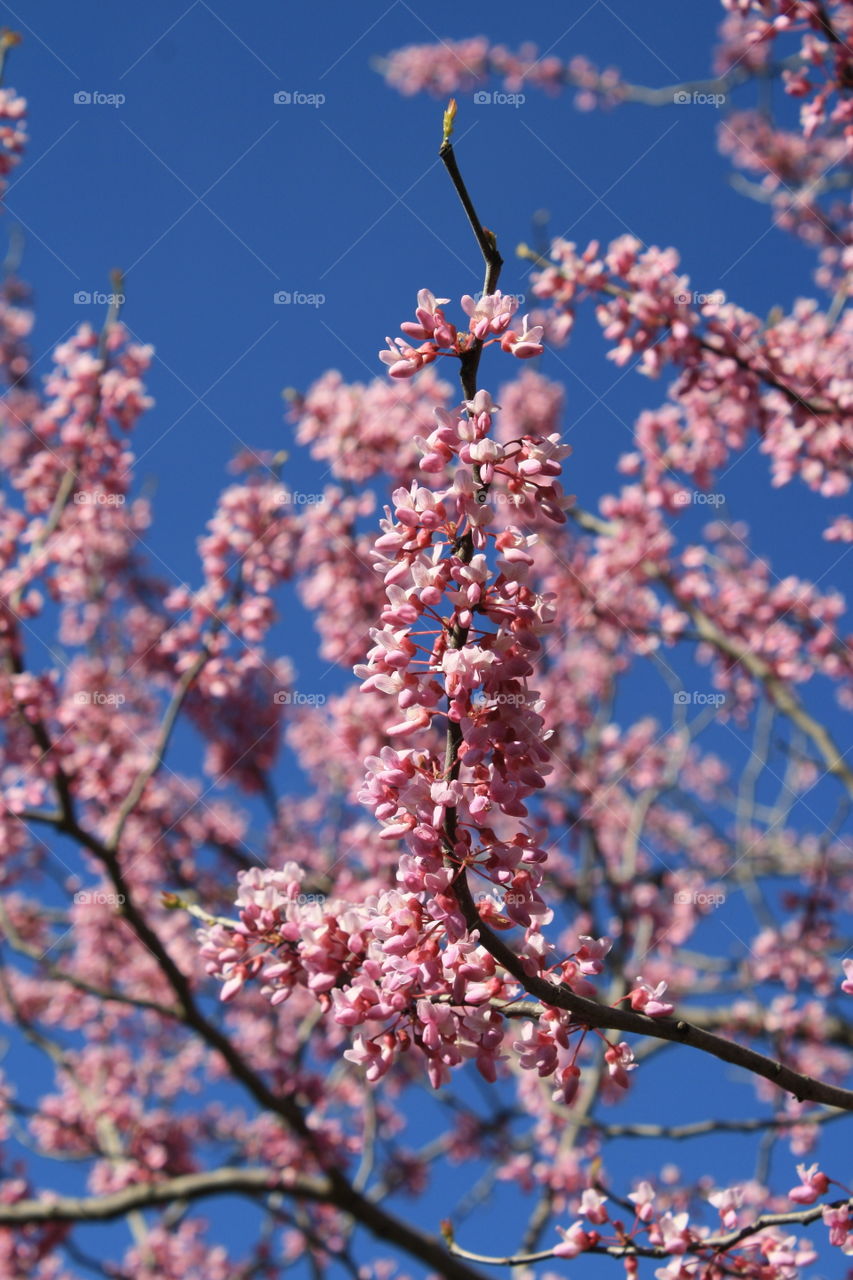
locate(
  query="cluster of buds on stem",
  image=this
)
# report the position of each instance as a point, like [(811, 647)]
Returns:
[(489, 319)]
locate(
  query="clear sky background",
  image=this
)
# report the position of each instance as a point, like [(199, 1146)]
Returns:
[(211, 197)]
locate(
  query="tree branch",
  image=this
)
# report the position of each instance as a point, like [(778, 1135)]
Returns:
[(488, 247), (817, 408), (152, 1195), (589, 1013), (586, 1012), (714, 1244)]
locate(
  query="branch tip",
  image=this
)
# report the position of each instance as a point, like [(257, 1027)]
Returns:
[(449, 118)]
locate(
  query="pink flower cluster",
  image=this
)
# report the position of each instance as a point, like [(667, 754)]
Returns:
[(366, 430), (457, 66), (375, 964), (469, 665), (823, 64), (460, 630), (818, 71), (85, 531), (659, 1221), (786, 381), (489, 318)]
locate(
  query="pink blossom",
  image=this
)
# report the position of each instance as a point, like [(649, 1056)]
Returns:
[(592, 1206), (644, 1199), (526, 344), (431, 323), (672, 1232), (648, 1000), (574, 1241), (813, 1184), (727, 1202), (590, 954), (404, 360), (620, 1060), (489, 314), (839, 1224)]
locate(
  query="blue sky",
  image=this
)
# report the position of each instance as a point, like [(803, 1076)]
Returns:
[(212, 197)]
